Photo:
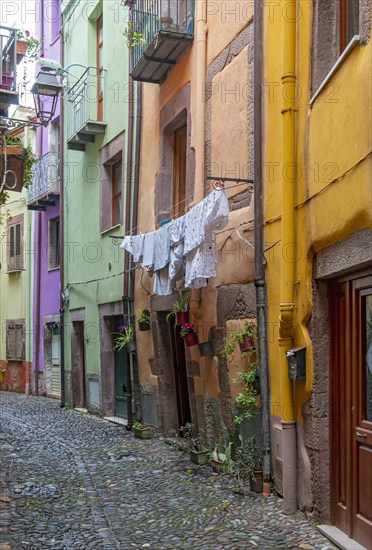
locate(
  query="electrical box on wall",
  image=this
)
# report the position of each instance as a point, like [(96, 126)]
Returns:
[(296, 358)]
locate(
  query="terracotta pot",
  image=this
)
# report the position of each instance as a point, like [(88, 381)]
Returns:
[(256, 481), (191, 339), (217, 465), (142, 433), (248, 343), (182, 317), (22, 46), (199, 457)]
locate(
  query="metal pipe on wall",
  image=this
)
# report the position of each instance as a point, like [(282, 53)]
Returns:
[(286, 319), (259, 260)]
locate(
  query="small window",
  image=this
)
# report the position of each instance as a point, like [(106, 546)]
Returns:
[(349, 21), (117, 203), (179, 172), (15, 255), (15, 340), (54, 17), (54, 244)]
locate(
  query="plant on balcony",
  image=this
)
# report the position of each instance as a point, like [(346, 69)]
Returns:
[(133, 37), (28, 49), (30, 159)]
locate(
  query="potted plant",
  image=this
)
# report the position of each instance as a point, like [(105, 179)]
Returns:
[(221, 457), (180, 309), (125, 338), (247, 377), (188, 333), (142, 431), (55, 327), (27, 46), (144, 319), (193, 445)]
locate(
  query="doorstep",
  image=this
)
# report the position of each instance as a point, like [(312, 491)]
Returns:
[(81, 410), (116, 420), (339, 538)]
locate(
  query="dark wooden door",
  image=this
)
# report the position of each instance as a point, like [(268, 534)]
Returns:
[(351, 407), (121, 365), (78, 365), (180, 374)]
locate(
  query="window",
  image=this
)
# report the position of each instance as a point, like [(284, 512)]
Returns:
[(53, 13), (53, 244), (15, 249), (179, 172), (15, 340), (349, 21), (117, 203), (335, 23)]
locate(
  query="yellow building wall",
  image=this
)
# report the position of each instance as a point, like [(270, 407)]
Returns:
[(333, 189)]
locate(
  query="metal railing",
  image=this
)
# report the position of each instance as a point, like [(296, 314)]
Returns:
[(83, 100), (46, 176), (8, 66), (149, 17)]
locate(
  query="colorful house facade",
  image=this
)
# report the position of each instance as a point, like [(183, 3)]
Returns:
[(44, 204), (317, 173)]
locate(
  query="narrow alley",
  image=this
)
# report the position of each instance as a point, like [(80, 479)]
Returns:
[(72, 480)]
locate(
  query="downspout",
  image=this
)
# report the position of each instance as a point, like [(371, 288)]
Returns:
[(287, 305), (37, 313), (199, 122), (61, 226), (201, 56), (127, 298), (259, 260)]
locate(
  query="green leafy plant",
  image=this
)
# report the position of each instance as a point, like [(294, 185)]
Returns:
[(247, 377), (124, 336), (30, 159), (133, 37), (137, 425), (192, 442), (180, 305), (144, 316), (33, 51), (187, 328)]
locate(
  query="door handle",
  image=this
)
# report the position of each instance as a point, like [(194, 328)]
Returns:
[(358, 434)]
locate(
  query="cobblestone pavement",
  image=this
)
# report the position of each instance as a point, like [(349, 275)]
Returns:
[(70, 480)]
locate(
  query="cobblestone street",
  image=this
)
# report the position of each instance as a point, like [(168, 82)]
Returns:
[(70, 480)]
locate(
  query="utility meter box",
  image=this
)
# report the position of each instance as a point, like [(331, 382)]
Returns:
[(296, 358)]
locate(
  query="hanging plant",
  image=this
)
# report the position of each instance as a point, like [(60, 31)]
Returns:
[(30, 159), (125, 337), (188, 333), (179, 309)]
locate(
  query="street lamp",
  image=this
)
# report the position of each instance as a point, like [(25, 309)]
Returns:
[(46, 91)]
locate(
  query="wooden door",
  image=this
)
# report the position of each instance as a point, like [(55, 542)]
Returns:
[(180, 374), (78, 365), (351, 407)]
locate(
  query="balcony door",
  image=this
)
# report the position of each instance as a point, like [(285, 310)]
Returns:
[(351, 398)]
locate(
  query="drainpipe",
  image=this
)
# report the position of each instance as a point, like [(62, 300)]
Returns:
[(287, 305), (259, 269), (201, 54), (61, 229), (37, 313)]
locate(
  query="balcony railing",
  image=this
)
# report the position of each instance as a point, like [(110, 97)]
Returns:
[(85, 108), (8, 67), (45, 182), (159, 32)]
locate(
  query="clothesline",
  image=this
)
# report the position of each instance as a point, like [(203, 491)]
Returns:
[(138, 227)]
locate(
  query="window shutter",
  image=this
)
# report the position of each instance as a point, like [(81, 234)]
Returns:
[(15, 257), (11, 257), (10, 341), (19, 342), (18, 247)]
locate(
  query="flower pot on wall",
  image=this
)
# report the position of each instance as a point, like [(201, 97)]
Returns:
[(22, 46), (191, 339), (131, 346), (248, 343), (182, 317), (206, 349), (143, 326)]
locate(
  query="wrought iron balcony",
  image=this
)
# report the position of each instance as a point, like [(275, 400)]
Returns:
[(159, 33), (85, 109), (8, 68), (45, 185)]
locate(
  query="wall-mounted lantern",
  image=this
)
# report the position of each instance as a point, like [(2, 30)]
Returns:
[(46, 91)]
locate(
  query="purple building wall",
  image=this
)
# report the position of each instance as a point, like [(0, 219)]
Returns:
[(49, 296)]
